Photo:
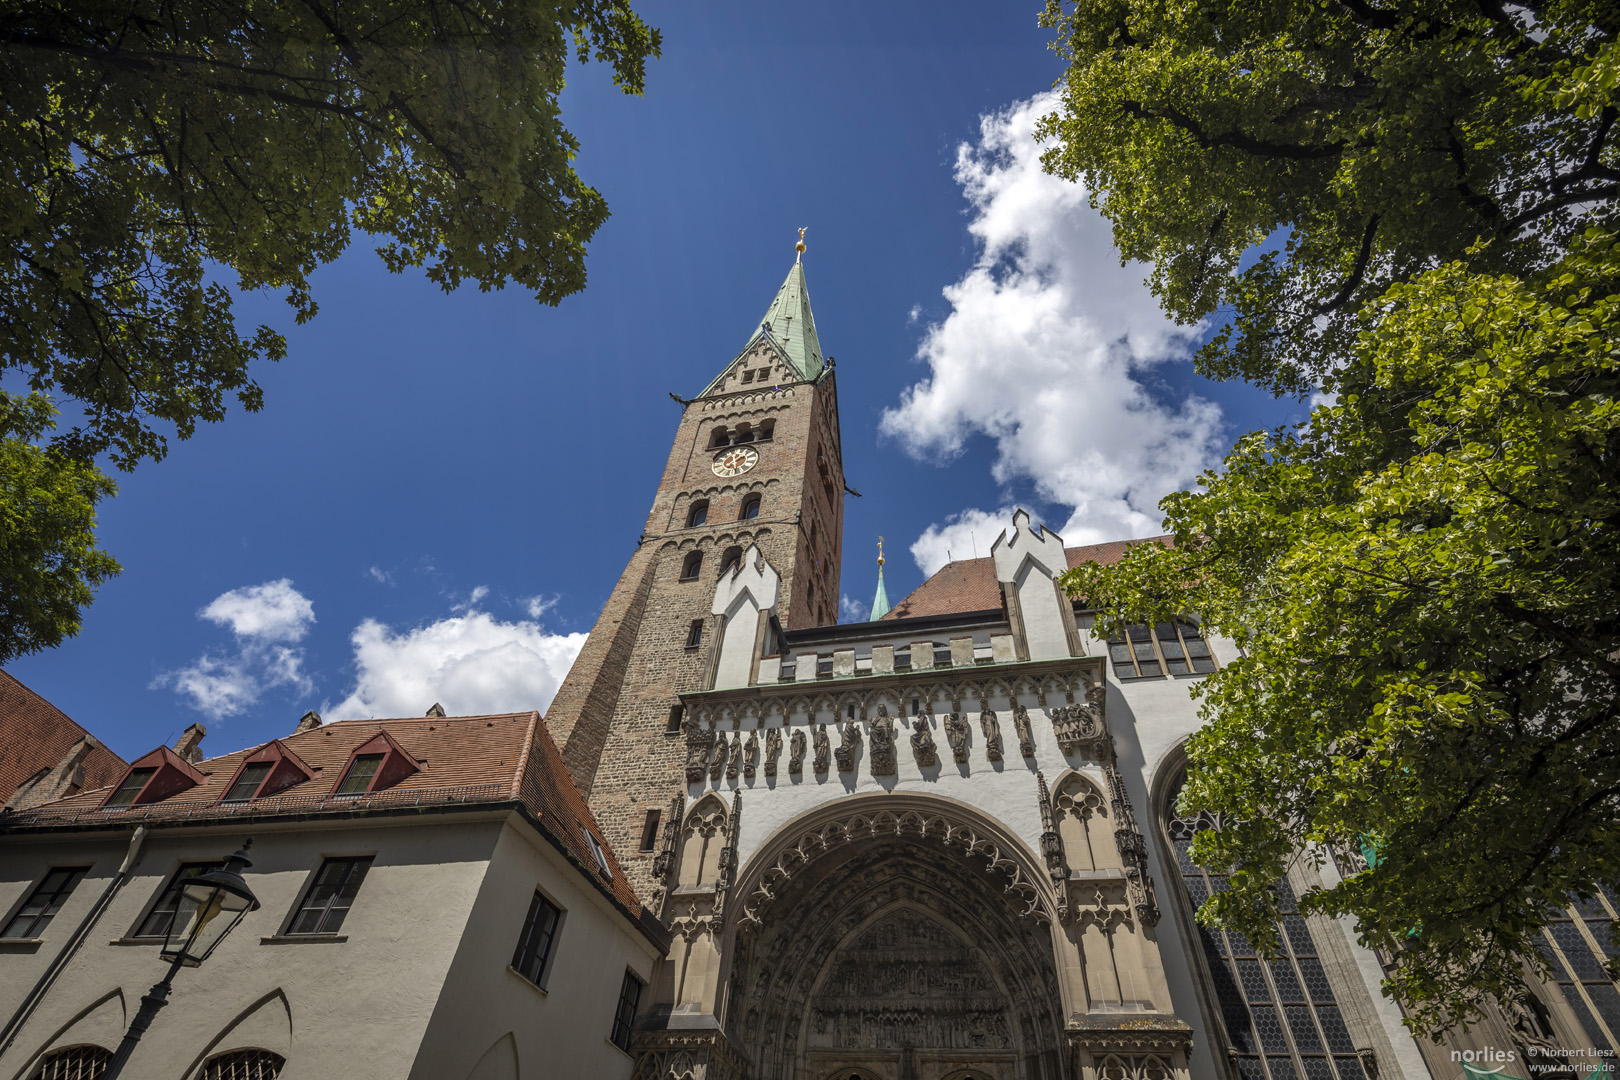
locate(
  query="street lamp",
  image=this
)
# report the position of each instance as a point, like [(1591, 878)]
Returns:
[(210, 906)]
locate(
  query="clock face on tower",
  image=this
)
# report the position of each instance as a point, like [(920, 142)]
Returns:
[(736, 461)]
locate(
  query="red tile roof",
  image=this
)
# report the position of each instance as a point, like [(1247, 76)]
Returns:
[(970, 584), (35, 735), (504, 758)]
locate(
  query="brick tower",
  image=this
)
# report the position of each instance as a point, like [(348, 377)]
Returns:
[(756, 460)]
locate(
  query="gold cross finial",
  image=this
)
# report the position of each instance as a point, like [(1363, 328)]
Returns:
[(799, 247), (880, 551)]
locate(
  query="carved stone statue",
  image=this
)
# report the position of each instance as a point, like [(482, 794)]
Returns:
[(1077, 727), (751, 755), (883, 756), (956, 733), (736, 756), (1026, 737), (796, 752), (922, 743), (992, 734), (722, 750), (773, 749), (822, 750), (850, 739), (699, 745), (1532, 1032)]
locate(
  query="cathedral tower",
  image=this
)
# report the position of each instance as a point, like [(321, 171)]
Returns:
[(756, 461)]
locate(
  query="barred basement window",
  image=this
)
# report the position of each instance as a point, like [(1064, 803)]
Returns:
[(534, 944), (1584, 964), (1144, 652), (243, 1065), (73, 1063), (44, 902), (624, 1017), (1282, 1021), (157, 920), (330, 896)]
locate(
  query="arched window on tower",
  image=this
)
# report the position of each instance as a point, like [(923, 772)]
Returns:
[(692, 566), (1281, 1018), (750, 508), (745, 433), (767, 428), (731, 560), (719, 438), (698, 515)]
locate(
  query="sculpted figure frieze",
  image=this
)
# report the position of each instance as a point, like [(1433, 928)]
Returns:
[(823, 750), (956, 733), (1026, 737), (922, 743), (699, 745), (1078, 728), (751, 755), (796, 753), (773, 749), (884, 762), (722, 751), (991, 728), (849, 740)]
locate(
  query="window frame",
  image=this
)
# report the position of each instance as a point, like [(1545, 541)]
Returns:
[(349, 773), (315, 882), (1582, 991), (171, 884), (598, 852), (252, 1056), (691, 566), (624, 1026), (750, 502), (694, 634), (649, 831), (41, 920), (1157, 666), (146, 774), (543, 973), (242, 776), (693, 520)]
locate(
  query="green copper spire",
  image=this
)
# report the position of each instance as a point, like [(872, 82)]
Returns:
[(788, 327), (880, 602)]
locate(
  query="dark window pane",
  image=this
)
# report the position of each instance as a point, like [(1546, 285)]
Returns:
[(534, 945), (1317, 1068), (1197, 891), (157, 921), (1238, 1029), (624, 1017), (1196, 647), (328, 900), (1217, 883), (1269, 1027), (44, 902), (247, 782), (1254, 984), (1607, 1001), (1249, 1069), (1350, 1068), (1203, 665), (1282, 973), (1145, 654), (1240, 944), (1600, 934), (1588, 1022), (1281, 1068), (131, 787), (1177, 667), (1286, 900), (1121, 655), (1184, 857), (1578, 952), (1306, 1040), (1338, 1036), (358, 778), (1137, 631), (1299, 935), (1592, 909), (1213, 945), (1316, 980)]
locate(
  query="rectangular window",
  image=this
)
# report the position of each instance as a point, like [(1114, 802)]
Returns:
[(44, 902), (534, 945), (694, 634), (748, 377), (330, 896), (676, 714), (157, 921), (131, 787), (624, 1018), (247, 782), (1144, 651), (358, 778), (649, 831)]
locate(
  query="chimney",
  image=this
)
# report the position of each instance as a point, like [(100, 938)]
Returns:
[(308, 722), (436, 710), (190, 744)]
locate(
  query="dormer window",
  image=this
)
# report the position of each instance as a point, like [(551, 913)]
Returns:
[(131, 787), (246, 784), (598, 853), (362, 771)]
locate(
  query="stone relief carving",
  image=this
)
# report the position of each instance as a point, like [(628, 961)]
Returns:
[(1079, 728), (699, 745), (773, 749), (991, 727), (664, 864), (1052, 848), (796, 753), (728, 856), (1532, 1033), (956, 733), (922, 743), (1026, 737), (722, 750), (850, 739), (884, 761), (1132, 848), (751, 755), (822, 750)]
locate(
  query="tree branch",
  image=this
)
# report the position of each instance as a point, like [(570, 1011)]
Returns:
[(1236, 139), (1357, 272)]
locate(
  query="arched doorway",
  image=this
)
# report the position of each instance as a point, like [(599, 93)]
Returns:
[(895, 948)]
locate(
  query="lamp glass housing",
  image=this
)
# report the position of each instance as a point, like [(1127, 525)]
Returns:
[(210, 906)]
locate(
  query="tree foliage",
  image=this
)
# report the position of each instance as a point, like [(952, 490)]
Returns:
[(1423, 578), (49, 561), (147, 142)]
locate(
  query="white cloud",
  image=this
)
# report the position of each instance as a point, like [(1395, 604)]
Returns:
[(380, 576), (967, 535), (851, 610), (266, 621), (537, 606), (471, 663), (1044, 350)]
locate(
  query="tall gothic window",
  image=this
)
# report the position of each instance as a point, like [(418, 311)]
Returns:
[(1282, 1021), (1584, 965)]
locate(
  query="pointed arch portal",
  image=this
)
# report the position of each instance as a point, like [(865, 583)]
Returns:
[(888, 953)]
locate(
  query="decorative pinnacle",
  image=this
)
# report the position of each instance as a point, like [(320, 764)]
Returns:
[(880, 552), (799, 247)]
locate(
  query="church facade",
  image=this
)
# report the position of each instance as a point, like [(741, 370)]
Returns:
[(941, 845)]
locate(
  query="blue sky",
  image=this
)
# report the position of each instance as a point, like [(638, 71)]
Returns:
[(442, 489)]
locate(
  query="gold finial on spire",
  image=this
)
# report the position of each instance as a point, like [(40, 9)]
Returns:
[(799, 247), (880, 551)]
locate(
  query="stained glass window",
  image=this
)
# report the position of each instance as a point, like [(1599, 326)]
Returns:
[(1584, 962), (1281, 1019)]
